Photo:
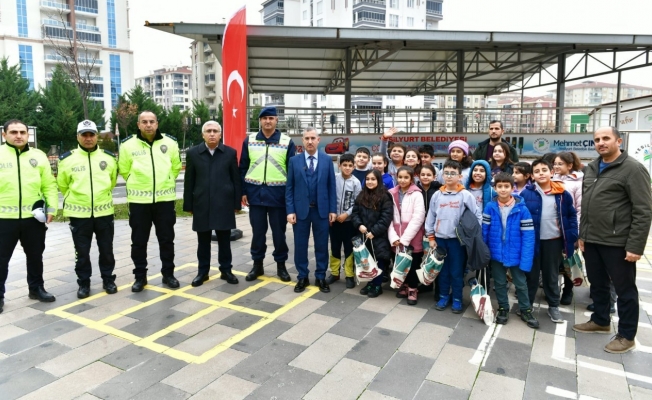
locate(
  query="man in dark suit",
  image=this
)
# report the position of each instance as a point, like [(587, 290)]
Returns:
[(212, 192), (311, 200)]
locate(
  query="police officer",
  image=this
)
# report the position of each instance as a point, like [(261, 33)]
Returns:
[(26, 181), (263, 164), (150, 163), (86, 178)]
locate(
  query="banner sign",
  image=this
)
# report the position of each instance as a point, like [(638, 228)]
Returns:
[(639, 146), (234, 80)]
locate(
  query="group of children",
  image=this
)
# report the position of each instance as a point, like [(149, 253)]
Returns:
[(529, 215)]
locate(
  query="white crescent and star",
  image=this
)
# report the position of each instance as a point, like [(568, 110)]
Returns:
[(234, 76)]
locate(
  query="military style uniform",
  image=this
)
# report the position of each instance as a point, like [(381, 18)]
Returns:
[(25, 178), (151, 170), (86, 179)]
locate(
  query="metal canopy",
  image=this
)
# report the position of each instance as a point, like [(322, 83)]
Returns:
[(313, 60)]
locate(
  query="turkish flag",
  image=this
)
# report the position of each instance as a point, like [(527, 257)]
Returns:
[(234, 80)]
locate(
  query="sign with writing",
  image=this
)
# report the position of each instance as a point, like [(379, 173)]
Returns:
[(639, 146)]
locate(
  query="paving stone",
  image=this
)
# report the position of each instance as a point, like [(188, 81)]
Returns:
[(194, 377), (402, 376), (129, 357), (638, 362), (204, 322), (160, 391), (74, 385), (592, 345), (291, 383), (639, 393), (190, 307), (37, 321), (357, 324), (433, 390), (444, 318), (377, 347), (233, 289), (145, 295), (23, 382), (121, 322), (382, 304), (281, 296), (371, 395), (341, 306), (309, 330), (10, 331), (171, 339), (300, 311), (84, 355), (79, 308), (402, 318), (547, 326), (452, 367), (157, 308), (108, 309), (240, 320), (544, 351), (87, 396), (594, 380), (265, 306), (426, 340), (347, 380), (508, 358), (155, 322), (226, 387), (64, 298), (29, 358), (265, 363), (214, 295), (517, 331), (469, 333), (322, 355), (37, 336), (10, 316), (262, 337), (206, 340), (489, 387), (138, 378), (542, 377), (79, 337), (253, 297)]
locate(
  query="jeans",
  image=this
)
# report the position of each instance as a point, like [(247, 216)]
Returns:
[(452, 272), (499, 272)]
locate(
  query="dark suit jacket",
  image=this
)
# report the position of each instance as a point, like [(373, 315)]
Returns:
[(296, 190), (212, 188)]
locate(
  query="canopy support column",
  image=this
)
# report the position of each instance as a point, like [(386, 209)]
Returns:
[(459, 101), (560, 92), (617, 122), (347, 91)]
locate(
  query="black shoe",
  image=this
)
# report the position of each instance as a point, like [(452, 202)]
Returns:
[(528, 318), (170, 281), (228, 277), (84, 291), (375, 291), (365, 290), (566, 297), (502, 317), (301, 285), (591, 307), (199, 280), (323, 285), (256, 271), (282, 272), (139, 285), (350, 283), (332, 279), (41, 295), (108, 284), (2, 305)]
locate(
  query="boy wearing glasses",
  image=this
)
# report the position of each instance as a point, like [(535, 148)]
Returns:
[(446, 208)]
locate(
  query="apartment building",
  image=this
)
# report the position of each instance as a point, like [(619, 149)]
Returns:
[(169, 87), (592, 93)]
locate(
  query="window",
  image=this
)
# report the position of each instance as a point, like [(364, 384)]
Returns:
[(393, 4), (26, 64), (305, 14), (89, 6), (116, 78), (410, 22), (110, 14), (410, 3), (371, 16), (323, 98), (320, 22), (305, 97), (319, 7), (391, 97), (21, 8), (393, 21)]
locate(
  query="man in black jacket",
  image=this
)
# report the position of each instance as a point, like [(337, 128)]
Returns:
[(212, 192), (614, 226), (485, 149)]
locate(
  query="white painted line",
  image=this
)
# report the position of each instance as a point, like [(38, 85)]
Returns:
[(616, 319), (566, 394), (491, 344), (561, 309), (559, 343), (640, 347), (638, 278), (644, 291), (646, 306), (616, 372), (478, 356)]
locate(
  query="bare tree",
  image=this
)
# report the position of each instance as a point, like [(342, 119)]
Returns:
[(73, 54)]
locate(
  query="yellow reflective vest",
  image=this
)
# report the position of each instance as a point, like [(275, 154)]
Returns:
[(268, 161), (25, 178), (86, 180)]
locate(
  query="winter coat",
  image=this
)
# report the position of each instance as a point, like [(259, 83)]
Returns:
[(566, 214), (506, 167), (488, 191), (573, 185), (427, 194), (388, 181), (469, 233), (445, 211), (616, 204), (377, 221), (481, 151), (212, 188), (409, 216), (513, 246)]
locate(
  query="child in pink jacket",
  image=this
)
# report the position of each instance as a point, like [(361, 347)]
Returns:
[(406, 230)]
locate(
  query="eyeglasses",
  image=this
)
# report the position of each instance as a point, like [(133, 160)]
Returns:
[(450, 173)]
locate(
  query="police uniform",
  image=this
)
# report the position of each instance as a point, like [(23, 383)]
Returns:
[(150, 171), (25, 178), (263, 166), (86, 179)]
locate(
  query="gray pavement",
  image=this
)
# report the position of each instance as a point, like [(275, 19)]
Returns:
[(260, 340)]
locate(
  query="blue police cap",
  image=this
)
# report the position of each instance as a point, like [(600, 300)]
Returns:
[(268, 112)]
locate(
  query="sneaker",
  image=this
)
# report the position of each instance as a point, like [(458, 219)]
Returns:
[(566, 297), (472, 282), (528, 318), (350, 283), (619, 345), (332, 279), (412, 296), (365, 290), (591, 327), (518, 312), (457, 306), (402, 292), (442, 303), (375, 291), (555, 315), (502, 317)]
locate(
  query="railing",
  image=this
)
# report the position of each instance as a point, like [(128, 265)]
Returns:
[(381, 3), (54, 4), (93, 78), (368, 19), (90, 10), (82, 60), (88, 27)]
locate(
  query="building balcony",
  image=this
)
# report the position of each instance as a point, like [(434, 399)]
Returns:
[(209, 82), (91, 28), (273, 7), (56, 59), (207, 48), (85, 9), (434, 10), (367, 22), (211, 95), (371, 5), (48, 4), (94, 78)]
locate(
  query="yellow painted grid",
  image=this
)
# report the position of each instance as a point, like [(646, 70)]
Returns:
[(149, 341)]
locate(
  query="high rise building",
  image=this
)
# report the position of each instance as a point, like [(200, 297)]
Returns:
[(591, 93), (169, 87), (32, 30)]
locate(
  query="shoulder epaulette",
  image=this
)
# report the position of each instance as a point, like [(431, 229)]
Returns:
[(109, 153), (171, 137), (64, 155), (127, 138)]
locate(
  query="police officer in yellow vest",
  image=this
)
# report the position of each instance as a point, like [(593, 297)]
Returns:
[(263, 164), (150, 163), (86, 178), (26, 181)]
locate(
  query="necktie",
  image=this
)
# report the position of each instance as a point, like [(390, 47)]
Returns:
[(311, 167)]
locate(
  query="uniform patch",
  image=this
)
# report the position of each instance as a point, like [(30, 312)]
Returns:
[(64, 155), (33, 162), (109, 153), (164, 149), (102, 165)]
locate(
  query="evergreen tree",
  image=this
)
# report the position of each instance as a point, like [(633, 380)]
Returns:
[(142, 101), (16, 100), (172, 122), (254, 124)]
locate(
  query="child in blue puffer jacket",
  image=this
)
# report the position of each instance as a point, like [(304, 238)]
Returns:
[(508, 231)]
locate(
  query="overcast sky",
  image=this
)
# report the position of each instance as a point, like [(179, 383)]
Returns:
[(154, 49)]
